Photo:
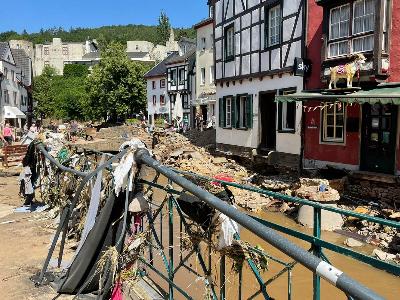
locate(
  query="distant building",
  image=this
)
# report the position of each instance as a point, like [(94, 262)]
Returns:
[(158, 102), (58, 53), (205, 99), (24, 45), (15, 79)]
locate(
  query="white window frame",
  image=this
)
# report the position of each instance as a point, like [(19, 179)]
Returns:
[(211, 74), (212, 41), (6, 97), (274, 25), (228, 112), (363, 16), (162, 83), (202, 76), (362, 38), (230, 43), (46, 51), (335, 114), (173, 77), (283, 124), (242, 111), (65, 50)]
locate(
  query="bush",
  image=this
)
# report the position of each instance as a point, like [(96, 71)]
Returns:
[(72, 70), (159, 122), (132, 121)]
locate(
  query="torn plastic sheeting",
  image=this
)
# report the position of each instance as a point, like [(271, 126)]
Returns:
[(227, 231)]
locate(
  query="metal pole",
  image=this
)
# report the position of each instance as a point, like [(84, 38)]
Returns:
[(222, 290), (171, 246), (317, 252), (313, 263)]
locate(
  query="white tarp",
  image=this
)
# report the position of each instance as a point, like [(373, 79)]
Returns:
[(12, 112)]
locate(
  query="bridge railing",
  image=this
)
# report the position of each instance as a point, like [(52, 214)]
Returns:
[(178, 223)]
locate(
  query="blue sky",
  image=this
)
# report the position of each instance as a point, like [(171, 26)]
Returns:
[(33, 15)]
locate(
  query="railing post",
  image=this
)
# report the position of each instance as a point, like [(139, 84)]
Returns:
[(222, 278), (317, 252), (171, 244)]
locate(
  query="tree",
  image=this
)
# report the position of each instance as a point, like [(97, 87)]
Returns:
[(116, 86), (73, 70), (42, 92), (163, 29)]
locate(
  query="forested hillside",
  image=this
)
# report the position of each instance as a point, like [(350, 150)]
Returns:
[(120, 33)]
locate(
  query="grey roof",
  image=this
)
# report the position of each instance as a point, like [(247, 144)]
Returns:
[(23, 62), (91, 55), (161, 68), (187, 40), (139, 55), (3, 49), (182, 58)]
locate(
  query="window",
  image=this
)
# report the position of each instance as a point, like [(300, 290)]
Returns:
[(162, 83), (211, 11), (46, 63), (23, 100), (65, 50), (5, 72), (154, 100), (12, 75), (364, 16), (339, 22), (364, 43), (46, 50), (333, 122), (153, 85), (242, 108), (185, 102), (287, 114), (274, 25), (182, 76), (228, 112), (6, 97), (15, 98), (203, 76), (212, 41), (212, 75), (229, 43), (173, 76), (357, 19), (162, 100), (203, 43)]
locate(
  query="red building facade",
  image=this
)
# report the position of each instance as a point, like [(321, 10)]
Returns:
[(359, 133)]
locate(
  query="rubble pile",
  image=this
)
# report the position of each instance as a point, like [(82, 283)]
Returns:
[(316, 190), (384, 237)]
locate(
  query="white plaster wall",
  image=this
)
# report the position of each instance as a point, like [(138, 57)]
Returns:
[(151, 109), (285, 142)]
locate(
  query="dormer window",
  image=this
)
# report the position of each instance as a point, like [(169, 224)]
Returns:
[(351, 28)]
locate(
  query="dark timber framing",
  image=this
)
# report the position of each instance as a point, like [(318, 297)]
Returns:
[(252, 23)]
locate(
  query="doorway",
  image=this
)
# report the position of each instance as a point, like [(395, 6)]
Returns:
[(378, 145), (268, 121)]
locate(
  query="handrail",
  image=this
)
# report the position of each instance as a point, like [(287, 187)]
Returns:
[(313, 263), (316, 265)]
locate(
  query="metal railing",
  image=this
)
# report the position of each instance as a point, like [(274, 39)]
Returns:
[(316, 261)]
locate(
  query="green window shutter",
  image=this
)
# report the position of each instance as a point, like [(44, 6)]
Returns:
[(233, 112), (221, 109), (280, 115), (249, 111)]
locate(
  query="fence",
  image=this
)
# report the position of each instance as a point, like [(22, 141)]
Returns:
[(177, 184)]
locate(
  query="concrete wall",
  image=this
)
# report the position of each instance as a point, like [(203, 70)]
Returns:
[(139, 46), (25, 45), (58, 53), (285, 142)]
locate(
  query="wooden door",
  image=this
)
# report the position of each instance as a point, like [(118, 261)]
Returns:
[(378, 147)]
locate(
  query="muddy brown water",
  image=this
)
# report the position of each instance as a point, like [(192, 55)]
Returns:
[(381, 282)]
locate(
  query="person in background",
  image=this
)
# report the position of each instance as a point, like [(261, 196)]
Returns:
[(8, 134), (74, 131), (33, 128)]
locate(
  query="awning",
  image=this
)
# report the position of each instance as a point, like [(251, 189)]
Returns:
[(12, 112), (383, 93)]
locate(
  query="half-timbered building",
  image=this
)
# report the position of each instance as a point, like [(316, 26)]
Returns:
[(256, 46)]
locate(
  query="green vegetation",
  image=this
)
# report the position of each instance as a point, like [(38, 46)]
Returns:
[(104, 35), (114, 89), (163, 29), (61, 97)]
